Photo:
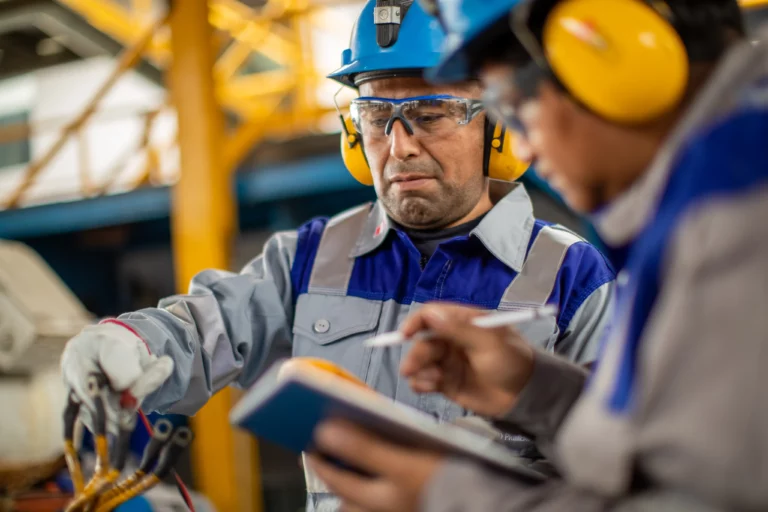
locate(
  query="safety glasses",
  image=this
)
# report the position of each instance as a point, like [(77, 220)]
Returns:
[(422, 116), (506, 94), (504, 97)]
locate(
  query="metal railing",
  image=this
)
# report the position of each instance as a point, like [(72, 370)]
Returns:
[(278, 103), (127, 59)]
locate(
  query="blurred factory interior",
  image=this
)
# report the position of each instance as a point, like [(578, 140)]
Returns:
[(140, 144)]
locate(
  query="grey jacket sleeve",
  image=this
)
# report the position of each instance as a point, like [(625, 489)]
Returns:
[(461, 486), (554, 387), (700, 428), (581, 341), (225, 329)]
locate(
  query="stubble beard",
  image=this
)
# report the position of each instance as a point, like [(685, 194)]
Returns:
[(433, 210)]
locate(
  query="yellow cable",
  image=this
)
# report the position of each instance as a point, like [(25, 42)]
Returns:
[(73, 464), (148, 482), (100, 479), (123, 486), (91, 492), (102, 456)]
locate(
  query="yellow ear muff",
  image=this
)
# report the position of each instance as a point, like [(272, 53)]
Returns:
[(501, 162), (353, 155), (620, 58)]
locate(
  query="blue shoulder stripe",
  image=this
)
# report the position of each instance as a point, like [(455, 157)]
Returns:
[(582, 272), (306, 250), (729, 159)]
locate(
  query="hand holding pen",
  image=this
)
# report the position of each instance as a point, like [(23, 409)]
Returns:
[(471, 357)]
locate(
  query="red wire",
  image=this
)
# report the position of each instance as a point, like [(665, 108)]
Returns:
[(179, 482)]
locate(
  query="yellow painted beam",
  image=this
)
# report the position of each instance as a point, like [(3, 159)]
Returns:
[(120, 23), (750, 4), (248, 134), (142, 8), (230, 61), (203, 224), (257, 85), (258, 31), (125, 61)]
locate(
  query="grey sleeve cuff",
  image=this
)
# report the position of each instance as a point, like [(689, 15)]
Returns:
[(554, 387), (461, 486)]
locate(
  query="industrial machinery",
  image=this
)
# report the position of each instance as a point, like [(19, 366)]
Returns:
[(38, 313)]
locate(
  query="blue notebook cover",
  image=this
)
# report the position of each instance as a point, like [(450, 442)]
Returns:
[(286, 411)]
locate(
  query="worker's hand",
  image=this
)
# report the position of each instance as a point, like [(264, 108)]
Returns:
[(399, 475), (483, 370), (115, 351)]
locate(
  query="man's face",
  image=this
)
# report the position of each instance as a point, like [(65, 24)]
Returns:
[(557, 139), (426, 181)]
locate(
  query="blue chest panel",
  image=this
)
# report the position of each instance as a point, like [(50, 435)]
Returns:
[(461, 270)]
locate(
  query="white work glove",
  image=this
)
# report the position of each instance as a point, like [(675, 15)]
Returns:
[(123, 357)]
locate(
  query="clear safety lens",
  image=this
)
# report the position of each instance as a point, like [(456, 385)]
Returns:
[(421, 116), (504, 95), (502, 104)]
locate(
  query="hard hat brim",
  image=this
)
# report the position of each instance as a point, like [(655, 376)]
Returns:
[(345, 75)]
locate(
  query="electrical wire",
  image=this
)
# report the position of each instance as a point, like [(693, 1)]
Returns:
[(179, 482)]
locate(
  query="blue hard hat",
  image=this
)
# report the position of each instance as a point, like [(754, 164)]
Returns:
[(378, 48), (464, 21)]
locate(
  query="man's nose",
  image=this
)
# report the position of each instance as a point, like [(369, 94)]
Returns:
[(402, 145)]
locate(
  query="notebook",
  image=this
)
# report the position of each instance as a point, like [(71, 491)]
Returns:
[(285, 407)]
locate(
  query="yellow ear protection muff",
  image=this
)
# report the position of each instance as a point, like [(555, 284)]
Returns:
[(352, 152), (620, 59), (498, 161)]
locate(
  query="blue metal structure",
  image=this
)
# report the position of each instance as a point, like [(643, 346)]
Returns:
[(311, 177), (263, 187)]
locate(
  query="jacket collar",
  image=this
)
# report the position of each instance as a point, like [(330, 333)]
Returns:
[(505, 231), (624, 219)]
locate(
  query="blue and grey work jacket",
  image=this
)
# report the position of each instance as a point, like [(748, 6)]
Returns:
[(321, 290), (677, 403)]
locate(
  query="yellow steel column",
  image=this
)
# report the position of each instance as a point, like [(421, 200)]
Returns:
[(203, 223)]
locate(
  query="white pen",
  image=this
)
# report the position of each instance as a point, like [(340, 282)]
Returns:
[(487, 322)]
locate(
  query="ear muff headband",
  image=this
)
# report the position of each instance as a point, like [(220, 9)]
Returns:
[(619, 58), (498, 161)]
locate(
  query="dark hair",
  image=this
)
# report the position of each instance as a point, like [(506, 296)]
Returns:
[(707, 27)]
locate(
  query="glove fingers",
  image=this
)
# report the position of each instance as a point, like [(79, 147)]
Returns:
[(155, 373), (120, 362), (75, 371)]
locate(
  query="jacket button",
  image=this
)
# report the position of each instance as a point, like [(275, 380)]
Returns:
[(322, 326)]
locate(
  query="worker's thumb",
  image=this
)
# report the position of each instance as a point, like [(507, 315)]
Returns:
[(155, 373)]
